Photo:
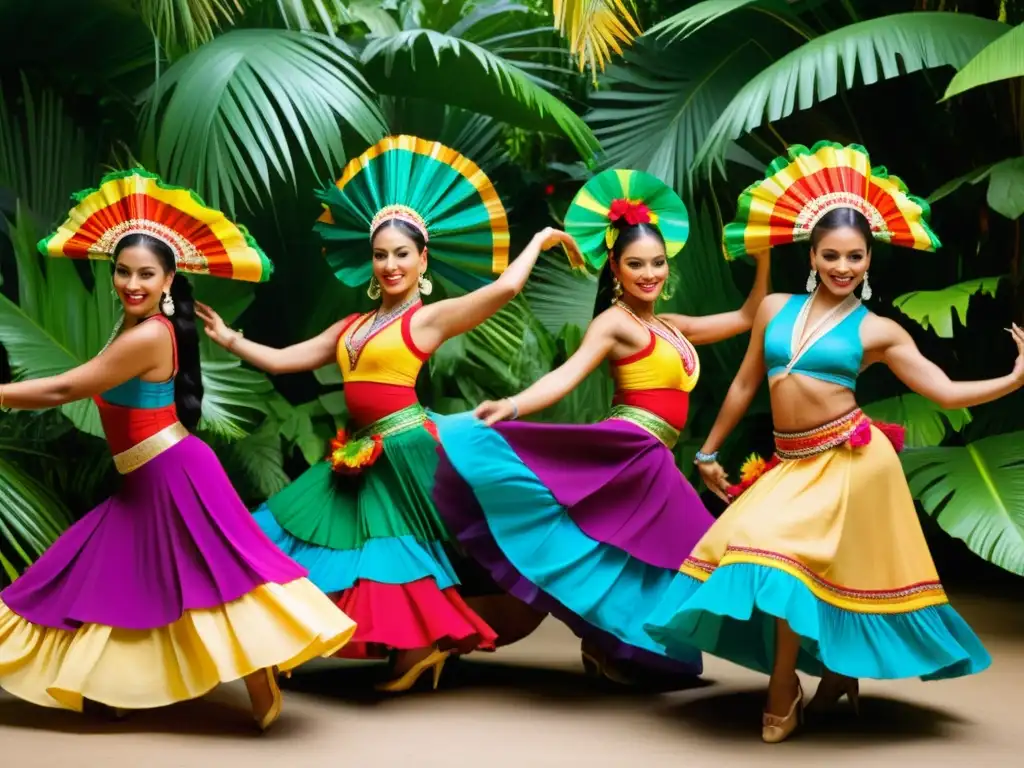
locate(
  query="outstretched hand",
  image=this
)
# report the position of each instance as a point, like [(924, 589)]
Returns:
[(1018, 364), (214, 325), (549, 237), (490, 412), (715, 478)]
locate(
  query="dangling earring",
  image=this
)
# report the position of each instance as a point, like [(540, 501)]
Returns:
[(812, 281), (666, 294), (426, 285), (865, 293), (616, 290), (167, 305), (373, 289)]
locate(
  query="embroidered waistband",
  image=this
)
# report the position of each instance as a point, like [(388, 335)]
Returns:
[(400, 421), (648, 421), (803, 445), (150, 448)]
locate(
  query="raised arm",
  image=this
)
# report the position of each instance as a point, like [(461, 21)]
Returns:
[(741, 393), (307, 355), (894, 347), (136, 352), (549, 389), (438, 322), (708, 329)]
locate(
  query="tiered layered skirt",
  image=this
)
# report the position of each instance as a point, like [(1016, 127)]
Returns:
[(586, 522), (160, 593), (375, 543)]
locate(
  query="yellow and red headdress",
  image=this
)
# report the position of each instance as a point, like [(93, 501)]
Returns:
[(204, 241), (800, 188)]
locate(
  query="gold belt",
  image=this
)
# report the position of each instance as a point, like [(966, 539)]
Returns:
[(150, 448), (647, 421)]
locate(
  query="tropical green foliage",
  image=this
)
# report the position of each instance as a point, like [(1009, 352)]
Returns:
[(256, 102)]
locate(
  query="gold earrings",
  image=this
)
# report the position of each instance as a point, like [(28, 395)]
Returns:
[(616, 290), (426, 285), (373, 289)]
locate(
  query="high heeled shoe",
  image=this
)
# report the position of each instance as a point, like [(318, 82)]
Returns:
[(831, 689), (403, 683), (775, 729), (277, 703), (596, 664)]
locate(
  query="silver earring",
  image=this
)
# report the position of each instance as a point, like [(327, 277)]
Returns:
[(167, 305), (616, 290), (865, 293), (426, 284), (373, 289), (812, 281)]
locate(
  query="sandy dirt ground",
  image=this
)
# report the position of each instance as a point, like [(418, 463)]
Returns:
[(530, 705)]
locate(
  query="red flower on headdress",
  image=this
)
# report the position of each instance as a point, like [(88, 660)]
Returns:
[(634, 213)]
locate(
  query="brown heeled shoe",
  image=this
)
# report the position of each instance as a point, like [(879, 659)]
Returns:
[(775, 729), (831, 689)]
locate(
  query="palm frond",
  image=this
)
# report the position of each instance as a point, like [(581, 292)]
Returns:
[(424, 63), (868, 51), (187, 22), (559, 295), (1000, 60), (225, 118), (31, 518), (595, 29)]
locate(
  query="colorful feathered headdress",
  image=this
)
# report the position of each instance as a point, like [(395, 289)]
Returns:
[(615, 198), (204, 241), (800, 188), (429, 186)]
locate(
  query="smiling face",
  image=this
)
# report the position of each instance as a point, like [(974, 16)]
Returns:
[(140, 281), (642, 268), (841, 259), (398, 262)]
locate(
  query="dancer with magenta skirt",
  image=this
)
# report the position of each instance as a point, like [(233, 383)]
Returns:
[(363, 521), (819, 564), (168, 588), (590, 522)]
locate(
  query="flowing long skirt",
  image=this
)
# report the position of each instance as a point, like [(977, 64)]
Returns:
[(375, 543), (831, 544), (158, 594), (587, 522)]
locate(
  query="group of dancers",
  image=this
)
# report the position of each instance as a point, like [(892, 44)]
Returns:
[(818, 564)]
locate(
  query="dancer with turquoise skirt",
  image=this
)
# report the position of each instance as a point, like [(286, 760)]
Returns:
[(168, 588), (819, 564), (590, 522), (363, 521)]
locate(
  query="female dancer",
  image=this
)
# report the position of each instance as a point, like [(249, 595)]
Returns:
[(363, 522), (588, 521), (821, 565), (168, 588)]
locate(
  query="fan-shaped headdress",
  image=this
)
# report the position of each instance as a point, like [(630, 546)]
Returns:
[(423, 183), (204, 241), (615, 197), (799, 189)]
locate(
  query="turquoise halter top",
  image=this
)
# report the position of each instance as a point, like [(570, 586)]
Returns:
[(136, 393), (835, 356)]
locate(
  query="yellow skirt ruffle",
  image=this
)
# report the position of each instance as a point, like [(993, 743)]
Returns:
[(275, 625)]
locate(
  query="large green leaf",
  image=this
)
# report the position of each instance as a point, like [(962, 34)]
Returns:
[(31, 517), (700, 15), (865, 52), (934, 309), (225, 118), (424, 63), (656, 112), (558, 295), (1006, 188), (976, 494), (925, 422), (1000, 60)]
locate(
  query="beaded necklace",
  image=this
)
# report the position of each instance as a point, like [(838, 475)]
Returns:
[(668, 333), (355, 346)]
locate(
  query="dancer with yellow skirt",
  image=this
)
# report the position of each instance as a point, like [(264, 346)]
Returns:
[(820, 564), (168, 588), (363, 520)]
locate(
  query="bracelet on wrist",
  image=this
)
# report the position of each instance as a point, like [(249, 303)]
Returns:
[(234, 340), (705, 458), (515, 408)]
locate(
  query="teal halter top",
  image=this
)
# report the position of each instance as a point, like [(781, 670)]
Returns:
[(136, 393), (835, 354)]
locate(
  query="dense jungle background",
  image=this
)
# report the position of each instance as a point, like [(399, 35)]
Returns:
[(255, 103)]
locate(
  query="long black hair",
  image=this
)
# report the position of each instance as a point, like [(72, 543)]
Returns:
[(188, 382), (843, 218), (628, 234)]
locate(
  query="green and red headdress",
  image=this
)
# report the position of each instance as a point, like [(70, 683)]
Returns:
[(204, 241), (615, 198), (800, 188), (428, 185)]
